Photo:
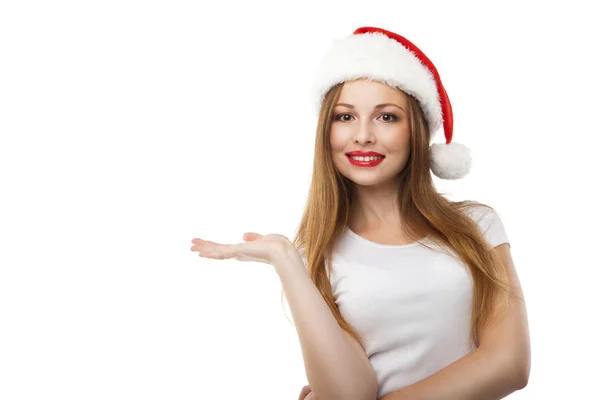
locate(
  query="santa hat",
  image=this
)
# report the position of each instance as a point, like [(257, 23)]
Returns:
[(381, 55)]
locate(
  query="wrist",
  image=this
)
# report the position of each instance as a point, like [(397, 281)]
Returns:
[(285, 255)]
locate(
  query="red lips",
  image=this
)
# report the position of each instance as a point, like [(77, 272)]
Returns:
[(364, 153), (371, 163)]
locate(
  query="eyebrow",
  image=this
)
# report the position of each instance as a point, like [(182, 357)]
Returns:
[(376, 107)]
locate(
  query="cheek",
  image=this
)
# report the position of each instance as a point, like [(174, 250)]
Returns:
[(402, 142), (337, 140), (399, 141), (396, 139)]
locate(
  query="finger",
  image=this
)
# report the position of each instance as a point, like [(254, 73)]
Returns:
[(304, 392), (214, 250), (204, 249), (208, 242), (225, 252), (218, 251), (251, 236), (200, 244)]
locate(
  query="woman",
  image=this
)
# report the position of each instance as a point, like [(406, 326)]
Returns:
[(396, 292)]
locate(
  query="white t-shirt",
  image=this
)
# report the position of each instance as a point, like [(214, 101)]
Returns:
[(411, 303)]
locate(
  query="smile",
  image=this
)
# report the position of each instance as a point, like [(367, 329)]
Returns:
[(367, 161)]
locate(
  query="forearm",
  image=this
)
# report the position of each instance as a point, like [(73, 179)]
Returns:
[(333, 368), (479, 375)]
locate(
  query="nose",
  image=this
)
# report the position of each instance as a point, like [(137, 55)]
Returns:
[(364, 133)]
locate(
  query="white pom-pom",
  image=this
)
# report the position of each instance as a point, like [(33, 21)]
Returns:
[(450, 161)]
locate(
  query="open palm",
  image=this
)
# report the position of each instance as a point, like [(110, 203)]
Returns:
[(256, 247)]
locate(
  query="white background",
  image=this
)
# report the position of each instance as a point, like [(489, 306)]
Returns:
[(130, 127)]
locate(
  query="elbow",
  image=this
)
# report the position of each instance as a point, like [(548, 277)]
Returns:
[(363, 388), (520, 370), (513, 368), (372, 388), (368, 394), (367, 391), (357, 389), (522, 378)]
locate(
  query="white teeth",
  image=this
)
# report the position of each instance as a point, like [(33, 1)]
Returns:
[(364, 159)]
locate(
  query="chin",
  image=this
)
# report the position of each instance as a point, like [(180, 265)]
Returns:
[(366, 181)]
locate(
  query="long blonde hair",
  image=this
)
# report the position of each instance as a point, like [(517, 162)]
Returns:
[(424, 211)]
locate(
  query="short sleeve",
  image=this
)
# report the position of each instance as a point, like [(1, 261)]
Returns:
[(303, 255), (490, 224)]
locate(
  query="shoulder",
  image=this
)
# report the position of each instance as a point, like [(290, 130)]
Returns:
[(488, 219), (479, 212), (472, 206)]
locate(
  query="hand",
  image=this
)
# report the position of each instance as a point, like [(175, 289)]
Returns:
[(307, 394), (257, 247)]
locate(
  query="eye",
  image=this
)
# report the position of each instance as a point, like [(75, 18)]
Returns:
[(337, 117), (394, 118), (391, 117)]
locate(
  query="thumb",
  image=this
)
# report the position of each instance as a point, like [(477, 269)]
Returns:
[(306, 390), (251, 236)]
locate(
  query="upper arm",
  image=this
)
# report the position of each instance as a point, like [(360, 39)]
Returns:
[(355, 344), (508, 334)]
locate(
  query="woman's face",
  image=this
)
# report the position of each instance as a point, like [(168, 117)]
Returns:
[(361, 124)]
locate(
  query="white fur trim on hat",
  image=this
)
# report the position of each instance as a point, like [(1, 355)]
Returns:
[(379, 57), (450, 161)]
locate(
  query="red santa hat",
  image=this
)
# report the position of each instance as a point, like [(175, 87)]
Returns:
[(381, 55)]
